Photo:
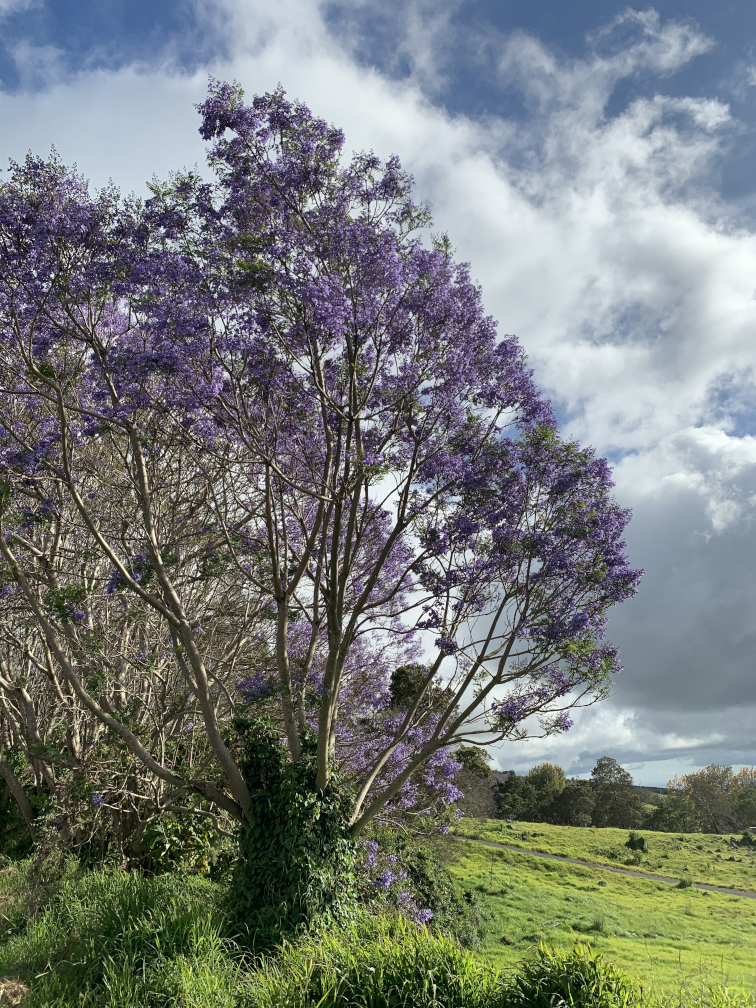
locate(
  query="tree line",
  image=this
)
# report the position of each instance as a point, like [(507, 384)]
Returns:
[(712, 800)]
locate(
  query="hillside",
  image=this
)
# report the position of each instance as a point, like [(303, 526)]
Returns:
[(669, 936), (708, 858)]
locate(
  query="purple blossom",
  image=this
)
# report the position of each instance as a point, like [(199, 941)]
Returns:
[(447, 645), (409, 908), (97, 800), (387, 878)]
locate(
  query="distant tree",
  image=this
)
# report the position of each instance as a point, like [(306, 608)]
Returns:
[(549, 780), (515, 798), (744, 796), (574, 805), (676, 813), (648, 797), (475, 761), (616, 802), (530, 797), (712, 792), (475, 781)]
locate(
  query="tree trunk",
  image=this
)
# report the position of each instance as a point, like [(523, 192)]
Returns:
[(16, 789)]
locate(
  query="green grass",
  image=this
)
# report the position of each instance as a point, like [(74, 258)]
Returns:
[(112, 940), (377, 963), (669, 937), (702, 855), (109, 939)]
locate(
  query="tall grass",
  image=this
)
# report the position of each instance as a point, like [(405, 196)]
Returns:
[(113, 940), (376, 963)]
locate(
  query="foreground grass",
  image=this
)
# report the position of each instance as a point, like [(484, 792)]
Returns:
[(708, 858), (672, 938), (112, 940)]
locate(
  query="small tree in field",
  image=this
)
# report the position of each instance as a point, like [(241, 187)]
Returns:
[(261, 420)]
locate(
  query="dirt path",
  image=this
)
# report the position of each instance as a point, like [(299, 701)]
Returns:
[(610, 868)]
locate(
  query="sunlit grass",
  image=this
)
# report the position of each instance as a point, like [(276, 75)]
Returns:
[(115, 940), (705, 856), (667, 936)]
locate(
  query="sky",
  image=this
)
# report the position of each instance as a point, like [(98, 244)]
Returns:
[(595, 165)]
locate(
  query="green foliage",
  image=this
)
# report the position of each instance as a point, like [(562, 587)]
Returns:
[(580, 978), (616, 802), (406, 683), (109, 939), (548, 779), (574, 805), (474, 761), (456, 912), (676, 813), (544, 795), (637, 842), (296, 858), (187, 843), (531, 797), (516, 798), (376, 963)]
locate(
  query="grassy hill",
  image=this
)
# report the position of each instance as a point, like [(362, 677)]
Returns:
[(671, 937), (706, 857)]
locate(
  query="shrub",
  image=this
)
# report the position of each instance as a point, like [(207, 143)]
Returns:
[(376, 963), (455, 911), (636, 842), (580, 978)]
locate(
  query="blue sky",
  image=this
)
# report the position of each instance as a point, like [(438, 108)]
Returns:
[(595, 164)]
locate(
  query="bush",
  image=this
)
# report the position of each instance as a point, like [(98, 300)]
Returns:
[(376, 963), (636, 842), (455, 911), (580, 978)]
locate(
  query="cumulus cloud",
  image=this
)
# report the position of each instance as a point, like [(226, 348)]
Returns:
[(597, 232)]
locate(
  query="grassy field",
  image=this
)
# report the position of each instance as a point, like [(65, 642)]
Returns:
[(672, 938), (111, 940), (706, 857)]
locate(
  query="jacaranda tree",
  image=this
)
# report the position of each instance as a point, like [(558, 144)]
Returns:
[(256, 434)]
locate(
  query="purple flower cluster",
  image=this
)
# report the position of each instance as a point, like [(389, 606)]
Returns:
[(384, 872), (409, 908)]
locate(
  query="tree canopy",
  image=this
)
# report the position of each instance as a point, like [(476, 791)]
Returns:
[(260, 447)]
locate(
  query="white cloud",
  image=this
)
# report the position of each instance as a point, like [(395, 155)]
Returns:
[(598, 239), (14, 6)]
